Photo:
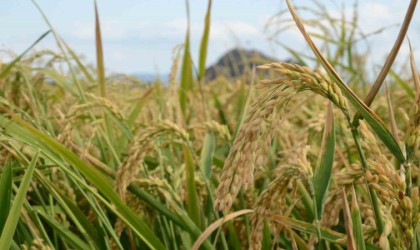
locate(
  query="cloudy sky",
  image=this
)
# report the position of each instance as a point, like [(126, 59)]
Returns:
[(139, 35)]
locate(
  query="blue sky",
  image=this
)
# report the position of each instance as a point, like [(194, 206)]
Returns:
[(139, 35)]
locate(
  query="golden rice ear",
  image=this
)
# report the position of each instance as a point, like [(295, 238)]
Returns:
[(303, 78), (251, 145), (253, 140), (371, 117), (271, 197), (144, 144)]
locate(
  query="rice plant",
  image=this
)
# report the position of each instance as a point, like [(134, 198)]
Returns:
[(303, 159)]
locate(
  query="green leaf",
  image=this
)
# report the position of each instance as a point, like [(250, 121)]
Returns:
[(299, 241), (137, 108), (67, 235), (306, 200), (266, 241), (32, 136), (83, 224), (221, 111), (243, 103), (348, 222), (14, 214), (79, 63), (121, 124), (179, 218), (374, 121), (101, 76), (357, 222), (234, 240), (5, 192), (417, 235), (99, 54), (60, 46), (322, 175), (193, 204), (204, 43), (59, 80), (297, 55), (403, 84), (391, 115), (207, 153), (308, 228), (10, 65), (186, 70)]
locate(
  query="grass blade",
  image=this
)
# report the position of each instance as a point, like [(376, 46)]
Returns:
[(193, 204), (209, 146), (83, 224), (296, 55), (221, 111), (79, 63), (101, 78), (59, 80), (322, 175), (266, 242), (60, 46), (391, 57), (99, 54), (392, 122), (403, 84), (186, 70), (307, 200), (5, 192), (138, 107), (357, 222), (9, 66), (351, 244), (416, 77), (18, 128), (320, 182), (409, 147), (204, 44), (299, 241), (244, 101), (14, 215), (374, 121), (305, 227), (71, 238), (180, 219)]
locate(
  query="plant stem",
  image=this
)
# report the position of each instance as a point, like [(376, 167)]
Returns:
[(372, 193), (316, 217), (408, 178)]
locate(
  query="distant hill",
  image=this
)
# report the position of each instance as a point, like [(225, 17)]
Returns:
[(232, 64), (235, 62), (148, 77)]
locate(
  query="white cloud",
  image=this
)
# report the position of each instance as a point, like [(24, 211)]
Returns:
[(220, 28), (86, 30), (110, 30), (117, 56), (174, 29), (83, 30), (152, 40)]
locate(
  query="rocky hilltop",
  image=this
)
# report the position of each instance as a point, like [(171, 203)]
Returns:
[(236, 62)]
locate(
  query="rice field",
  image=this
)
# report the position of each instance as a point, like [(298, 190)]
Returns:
[(307, 155)]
